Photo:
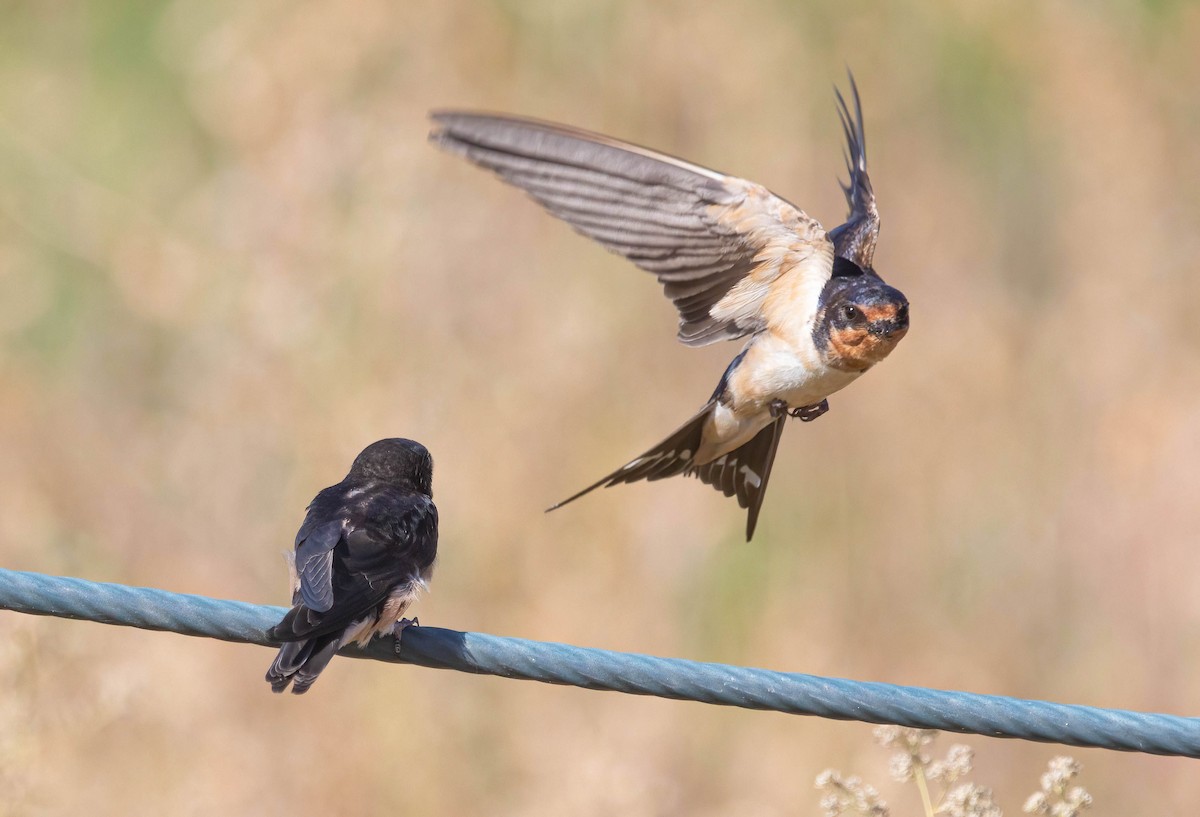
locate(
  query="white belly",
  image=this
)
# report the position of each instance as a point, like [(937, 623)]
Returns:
[(728, 430), (771, 370), (799, 389)]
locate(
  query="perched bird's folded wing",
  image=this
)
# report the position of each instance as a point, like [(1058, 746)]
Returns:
[(314, 563), (715, 242), (856, 238)]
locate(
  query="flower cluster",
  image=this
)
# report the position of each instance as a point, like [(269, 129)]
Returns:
[(849, 795), (1058, 798), (951, 796)]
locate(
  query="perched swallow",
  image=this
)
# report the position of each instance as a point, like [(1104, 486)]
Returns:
[(364, 552), (736, 260)]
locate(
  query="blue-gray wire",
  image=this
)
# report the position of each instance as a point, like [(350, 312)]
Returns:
[(793, 693)]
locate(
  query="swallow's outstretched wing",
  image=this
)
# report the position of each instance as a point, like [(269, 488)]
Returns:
[(856, 238), (350, 574), (715, 242)]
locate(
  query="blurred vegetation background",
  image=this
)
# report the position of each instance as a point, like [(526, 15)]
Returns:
[(229, 260)]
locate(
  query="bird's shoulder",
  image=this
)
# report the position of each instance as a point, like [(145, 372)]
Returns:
[(390, 511), (792, 253), (384, 511)]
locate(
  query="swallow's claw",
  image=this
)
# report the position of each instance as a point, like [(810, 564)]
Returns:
[(806, 414), (778, 408), (398, 630)]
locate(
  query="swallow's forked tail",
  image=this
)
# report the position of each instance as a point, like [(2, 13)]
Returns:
[(671, 457), (742, 472), (745, 471)]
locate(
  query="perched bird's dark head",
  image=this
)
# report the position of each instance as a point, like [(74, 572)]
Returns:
[(395, 461), (860, 321)]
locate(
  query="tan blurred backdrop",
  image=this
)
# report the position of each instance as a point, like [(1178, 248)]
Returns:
[(229, 260)]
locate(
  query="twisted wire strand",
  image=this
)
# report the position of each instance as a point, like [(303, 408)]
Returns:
[(793, 693)]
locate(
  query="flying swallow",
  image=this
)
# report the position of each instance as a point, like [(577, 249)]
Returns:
[(365, 550), (736, 260)]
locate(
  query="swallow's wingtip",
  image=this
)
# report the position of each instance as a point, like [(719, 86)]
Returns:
[(442, 120), (439, 129)]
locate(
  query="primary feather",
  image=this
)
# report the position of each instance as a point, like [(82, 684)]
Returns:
[(704, 235)]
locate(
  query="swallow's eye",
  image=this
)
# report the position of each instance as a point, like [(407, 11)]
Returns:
[(850, 312)]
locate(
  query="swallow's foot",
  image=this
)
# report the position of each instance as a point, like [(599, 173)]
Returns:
[(778, 408), (807, 414), (398, 630)]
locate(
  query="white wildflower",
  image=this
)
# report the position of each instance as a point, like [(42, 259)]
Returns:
[(886, 736), (901, 767), (1056, 798), (956, 765), (850, 794), (1037, 803), (969, 800)]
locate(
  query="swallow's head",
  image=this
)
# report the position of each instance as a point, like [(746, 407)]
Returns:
[(860, 321), (396, 461)]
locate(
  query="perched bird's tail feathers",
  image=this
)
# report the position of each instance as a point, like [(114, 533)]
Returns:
[(673, 456), (300, 662)]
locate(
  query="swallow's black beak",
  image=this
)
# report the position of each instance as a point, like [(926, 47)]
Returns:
[(888, 327)]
